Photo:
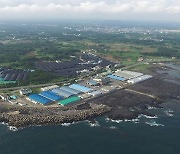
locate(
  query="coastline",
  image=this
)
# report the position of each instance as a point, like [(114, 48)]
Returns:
[(119, 105)]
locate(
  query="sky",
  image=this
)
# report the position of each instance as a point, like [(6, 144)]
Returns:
[(166, 10)]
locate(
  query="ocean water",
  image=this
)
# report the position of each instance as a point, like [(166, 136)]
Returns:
[(145, 135)]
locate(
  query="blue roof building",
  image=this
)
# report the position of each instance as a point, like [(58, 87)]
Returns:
[(36, 98), (116, 77), (92, 83), (51, 95), (68, 89), (63, 93), (81, 88)]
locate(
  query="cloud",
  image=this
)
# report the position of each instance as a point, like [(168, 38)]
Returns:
[(156, 9)]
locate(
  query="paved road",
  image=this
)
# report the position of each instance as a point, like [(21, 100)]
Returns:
[(32, 86)]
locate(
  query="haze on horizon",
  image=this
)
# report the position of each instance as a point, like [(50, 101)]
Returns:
[(167, 10)]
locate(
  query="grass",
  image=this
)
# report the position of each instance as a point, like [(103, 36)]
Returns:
[(36, 90), (141, 68)]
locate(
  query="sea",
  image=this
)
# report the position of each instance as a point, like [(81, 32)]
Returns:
[(144, 135)]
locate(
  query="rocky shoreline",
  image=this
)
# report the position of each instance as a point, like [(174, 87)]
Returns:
[(23, 117), (137, 99), (122, 104)]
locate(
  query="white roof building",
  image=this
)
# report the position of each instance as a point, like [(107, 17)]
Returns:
[(127, 74), (49, 88), (25, 91), (95, 93), (139, 79)]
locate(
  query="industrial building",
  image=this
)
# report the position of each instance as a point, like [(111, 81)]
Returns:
[(114, 77), (4, 97), (9, 75), (13, 102), (127, 74), (70, 90), (84, 96), (50, 95), (73, 67), (2, 81), (95, 93), (63, 93), (139, 79), (108, 89), (69, 100), (14, 97), (25, 91), (81, 88), (102, 81), (49, 88), (36, 98), (92, 83)]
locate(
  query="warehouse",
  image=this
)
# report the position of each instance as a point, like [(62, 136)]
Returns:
[(92, 83), (49, 88), (70, 90), (19, 77), (102, 81), (139, 79), (127, 74), (84, 96), (108, 88), (7, 77), (71, 68), (63, 93), (35, 98), (116, 77), (95, 93), (14, 75), (81, 88), (134, 74), (4, 97), (13, 102), (25, 91), (6, 82), (50, 95), (69, 101)]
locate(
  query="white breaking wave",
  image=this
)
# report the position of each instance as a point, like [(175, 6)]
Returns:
[(154, 123), (66, 124), (150, 108), (148, 117), (132, 120), (116, 121), (96, 124), (169, 113), (3, 123), (113, 127), (125, 120), (12, 128)]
